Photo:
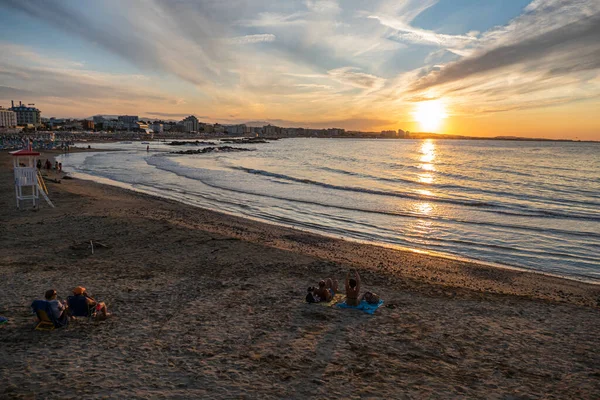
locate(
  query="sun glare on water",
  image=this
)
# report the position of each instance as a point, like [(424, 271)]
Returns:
[(430, 115)]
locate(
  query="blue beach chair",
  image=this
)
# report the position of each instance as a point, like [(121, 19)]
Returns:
[(46, 319)]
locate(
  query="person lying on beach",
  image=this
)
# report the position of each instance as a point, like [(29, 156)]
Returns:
[(81, 297), (352, 289), (325, 292), (370, 297), (59, 308)]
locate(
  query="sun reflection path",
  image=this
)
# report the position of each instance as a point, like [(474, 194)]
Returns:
[(427, 158), (423, 228), (424, 208), (427, 151), (426, 178)]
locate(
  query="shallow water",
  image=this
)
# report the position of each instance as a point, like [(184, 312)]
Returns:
[(527, 204)]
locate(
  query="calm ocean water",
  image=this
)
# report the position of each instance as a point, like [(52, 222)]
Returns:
[(526, 204)]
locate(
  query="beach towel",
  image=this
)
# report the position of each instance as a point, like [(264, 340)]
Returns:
[(363, 306), (3, 320), (338, 298)]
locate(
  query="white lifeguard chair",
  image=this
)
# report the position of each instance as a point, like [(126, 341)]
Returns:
[(26, 176)]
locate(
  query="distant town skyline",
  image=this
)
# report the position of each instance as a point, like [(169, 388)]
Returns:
[(463, 67)]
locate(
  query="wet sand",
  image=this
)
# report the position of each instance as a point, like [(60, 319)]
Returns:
[(211, 306)]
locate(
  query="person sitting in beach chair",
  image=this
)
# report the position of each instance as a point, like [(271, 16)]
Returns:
[(82, 305), (325, 292), (59, 308), (51, 313), (352, 289)]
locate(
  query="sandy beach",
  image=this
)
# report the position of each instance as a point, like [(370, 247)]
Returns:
[(208, 305)]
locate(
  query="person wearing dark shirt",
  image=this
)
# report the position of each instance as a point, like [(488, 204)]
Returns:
[(99, 308)]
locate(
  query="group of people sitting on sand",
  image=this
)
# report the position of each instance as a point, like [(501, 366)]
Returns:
[(328, 288), (80, 304)]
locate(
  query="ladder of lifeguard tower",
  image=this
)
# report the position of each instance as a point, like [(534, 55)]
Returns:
[(46, 198), (44, 190)]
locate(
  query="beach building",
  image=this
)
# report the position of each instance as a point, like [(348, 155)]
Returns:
[(270, 130), (335, 131), (168, 125), (218, 128), (73, 125), (8, 118), (27, 115), (206, 128), (87, 124), (191, 124), (128, 121), (237, 129), (112, 124), (54, 123)]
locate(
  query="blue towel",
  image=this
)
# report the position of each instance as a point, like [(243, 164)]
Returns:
[(3, 320), (363, 306)]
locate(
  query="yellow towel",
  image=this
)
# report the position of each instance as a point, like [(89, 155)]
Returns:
[(338, 298)]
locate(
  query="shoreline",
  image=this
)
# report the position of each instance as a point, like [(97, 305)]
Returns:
[(209, 305), (445, 271), (445, 256)]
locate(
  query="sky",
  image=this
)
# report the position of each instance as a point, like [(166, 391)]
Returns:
[(467, 67)]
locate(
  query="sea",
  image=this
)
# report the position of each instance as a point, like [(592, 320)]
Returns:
[(522, 204)]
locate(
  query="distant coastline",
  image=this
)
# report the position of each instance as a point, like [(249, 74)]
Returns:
[(441, 136), (85, 136)]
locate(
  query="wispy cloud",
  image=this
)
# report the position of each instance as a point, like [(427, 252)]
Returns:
[(270, 19), (249, 39), (404, 10), (407, 33), (323, 6), (549, 55), (571, 48), (72, 91), (398, 15), (33, 57), (153, 40), (351, 76), (312, 86)]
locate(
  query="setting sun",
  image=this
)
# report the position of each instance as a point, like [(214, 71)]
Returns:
[(430, 115)]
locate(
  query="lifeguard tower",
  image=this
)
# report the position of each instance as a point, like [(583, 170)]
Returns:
[(27, 178)]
